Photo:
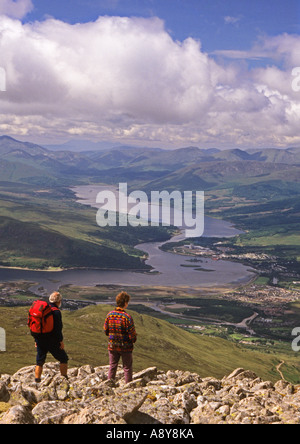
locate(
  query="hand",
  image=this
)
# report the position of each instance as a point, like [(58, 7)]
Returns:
[(62, 345)]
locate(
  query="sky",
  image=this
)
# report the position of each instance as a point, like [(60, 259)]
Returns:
[(160, 73)]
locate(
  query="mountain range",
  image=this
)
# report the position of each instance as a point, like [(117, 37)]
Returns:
[(190, 166)]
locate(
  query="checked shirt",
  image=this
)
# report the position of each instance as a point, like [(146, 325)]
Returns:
[(119, 327)]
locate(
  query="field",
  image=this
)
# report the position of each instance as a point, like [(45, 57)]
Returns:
[(159, 343)]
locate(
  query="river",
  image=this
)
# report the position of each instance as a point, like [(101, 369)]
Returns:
[(168, 269)]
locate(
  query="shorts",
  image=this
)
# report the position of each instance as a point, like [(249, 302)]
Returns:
[(47, 346)]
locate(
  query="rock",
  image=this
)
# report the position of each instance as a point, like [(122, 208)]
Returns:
[(284, 387), (124, 404), (94, 415), (51, 412), (186, 401), (18, 397), (235, 373), (4, 406), (163, 411), (153, 397), (264, 385), (17, 415), (148, 374), (4, 394)]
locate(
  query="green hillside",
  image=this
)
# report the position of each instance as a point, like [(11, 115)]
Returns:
[(159, 343), (45, 227), (26, 244)]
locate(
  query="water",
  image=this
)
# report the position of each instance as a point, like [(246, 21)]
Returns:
[(169, 269), (87, 194)]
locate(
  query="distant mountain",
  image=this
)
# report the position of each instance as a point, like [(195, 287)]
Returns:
[(206, 175), (9, 145), (289, 156), (184, 167), (82, 145), (23, 161)]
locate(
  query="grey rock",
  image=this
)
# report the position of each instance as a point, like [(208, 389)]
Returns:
[(4, 394), (153, 397), (17, 415)]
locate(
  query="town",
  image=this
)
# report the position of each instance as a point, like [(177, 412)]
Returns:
[(264, 264)]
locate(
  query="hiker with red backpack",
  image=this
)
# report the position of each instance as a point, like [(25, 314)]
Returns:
[(45, 323)]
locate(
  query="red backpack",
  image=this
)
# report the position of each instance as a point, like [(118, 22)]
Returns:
[(40, 318)]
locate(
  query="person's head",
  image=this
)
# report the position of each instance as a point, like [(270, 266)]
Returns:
[(55, 298), (122, 299)]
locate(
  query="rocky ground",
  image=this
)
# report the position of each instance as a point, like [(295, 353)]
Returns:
[(153, 397)]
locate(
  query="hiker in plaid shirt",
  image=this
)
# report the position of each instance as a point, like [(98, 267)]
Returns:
[(119, 327)]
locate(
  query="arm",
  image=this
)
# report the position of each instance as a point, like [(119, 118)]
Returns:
[(131, 331), (106, 327), (58, 326)]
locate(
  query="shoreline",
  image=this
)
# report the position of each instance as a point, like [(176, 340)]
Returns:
[(151, 265), (59, 270)]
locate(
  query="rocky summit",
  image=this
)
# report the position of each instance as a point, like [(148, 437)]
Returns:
[(153, 397)]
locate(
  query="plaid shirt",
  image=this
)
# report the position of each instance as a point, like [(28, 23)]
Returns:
[(119, 327)]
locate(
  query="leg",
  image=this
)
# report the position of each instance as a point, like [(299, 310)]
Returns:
[(114, 358), (38, 373), (40, 360), (127, 366), (59, 353), (64, 370)]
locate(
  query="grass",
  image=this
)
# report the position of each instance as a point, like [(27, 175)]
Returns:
[(159, 343)]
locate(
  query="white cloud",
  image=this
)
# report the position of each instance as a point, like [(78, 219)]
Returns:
[(230, 20), (127, 79), (15, 8)]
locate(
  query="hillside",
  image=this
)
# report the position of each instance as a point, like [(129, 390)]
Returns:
[(26, 244), (159, 343), (45, 227)]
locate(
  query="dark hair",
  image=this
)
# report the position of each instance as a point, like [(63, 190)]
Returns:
[(122, 299)]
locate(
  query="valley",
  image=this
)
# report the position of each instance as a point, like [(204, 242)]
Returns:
[(43, 227)]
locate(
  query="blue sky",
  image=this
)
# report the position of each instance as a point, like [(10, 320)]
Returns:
[(168, 73), (219, 24)]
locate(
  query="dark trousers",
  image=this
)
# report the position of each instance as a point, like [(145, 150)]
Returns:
[(45, 346), (114, 358)]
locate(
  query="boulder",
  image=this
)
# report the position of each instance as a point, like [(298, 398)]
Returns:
[(153, 397)]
